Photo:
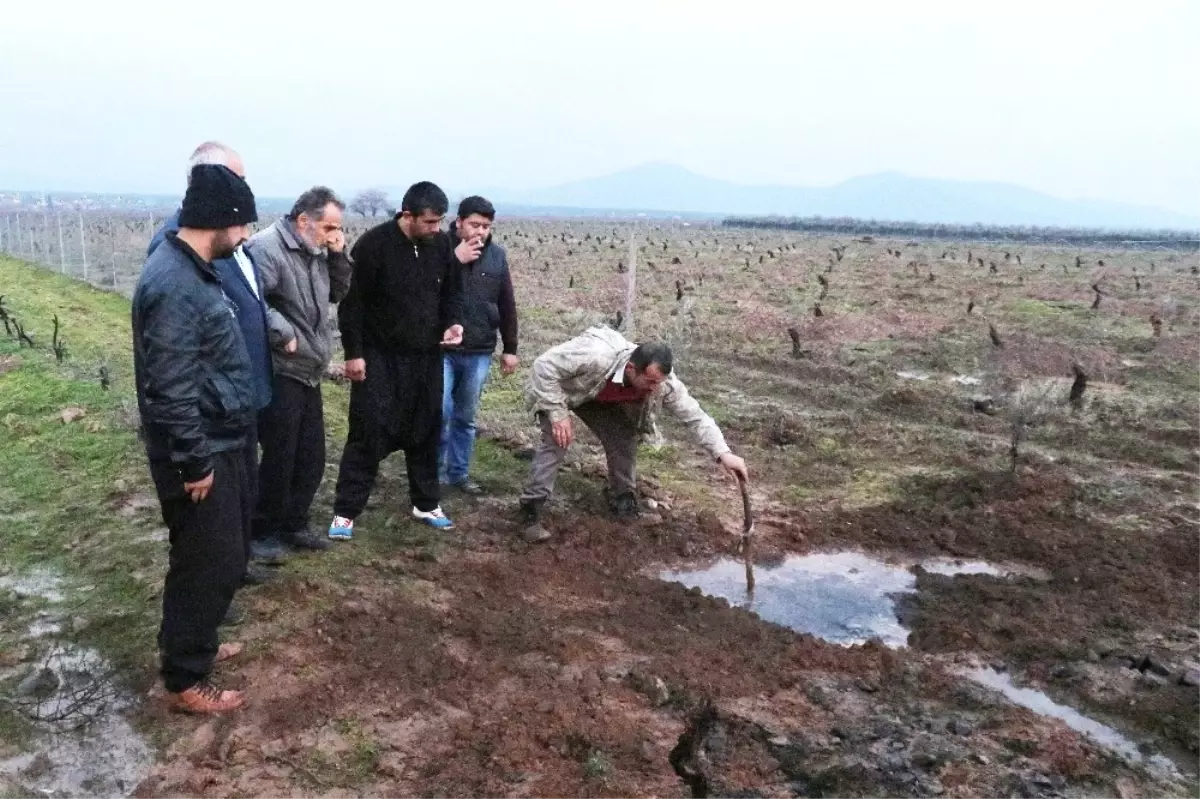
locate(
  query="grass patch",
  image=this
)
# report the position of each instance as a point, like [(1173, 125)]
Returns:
[(65, 487)]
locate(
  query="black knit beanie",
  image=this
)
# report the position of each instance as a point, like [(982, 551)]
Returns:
[(217, 198)]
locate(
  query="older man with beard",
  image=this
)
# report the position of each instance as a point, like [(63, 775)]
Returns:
[(196, 396), (304, 270)]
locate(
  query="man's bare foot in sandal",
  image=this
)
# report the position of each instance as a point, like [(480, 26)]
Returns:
[(229, 651)]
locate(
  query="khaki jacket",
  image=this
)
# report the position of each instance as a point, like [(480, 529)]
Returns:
[(573, 373)]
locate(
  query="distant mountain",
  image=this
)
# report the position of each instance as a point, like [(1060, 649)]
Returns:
[(887, 196)]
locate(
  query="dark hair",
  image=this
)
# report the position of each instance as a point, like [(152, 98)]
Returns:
[(645, 354), (476, 205), (313, 202), (424, 196)]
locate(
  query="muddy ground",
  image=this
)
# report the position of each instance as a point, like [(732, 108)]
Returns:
[(490, 667), (408, 663)]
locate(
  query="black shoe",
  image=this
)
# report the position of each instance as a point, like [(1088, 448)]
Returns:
[(532, 529), (625, 507), (305, 539), (258, 574), (468, 487), (234, 616), (268, 551)]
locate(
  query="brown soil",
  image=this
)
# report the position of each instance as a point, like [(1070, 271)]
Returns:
[(501, 669)]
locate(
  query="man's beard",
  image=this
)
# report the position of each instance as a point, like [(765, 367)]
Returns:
[(224, 248)]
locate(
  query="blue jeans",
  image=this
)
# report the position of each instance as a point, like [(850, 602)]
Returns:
[(463, 376)]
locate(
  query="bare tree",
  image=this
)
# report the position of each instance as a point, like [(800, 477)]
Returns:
[(370, 202)]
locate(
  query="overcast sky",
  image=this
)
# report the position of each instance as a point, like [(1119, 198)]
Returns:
[(1077, 99)]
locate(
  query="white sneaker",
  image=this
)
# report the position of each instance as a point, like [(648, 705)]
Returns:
[(434, 518), (341, 529)]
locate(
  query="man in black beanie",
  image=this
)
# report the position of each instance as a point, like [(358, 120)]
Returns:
[(197, 402)]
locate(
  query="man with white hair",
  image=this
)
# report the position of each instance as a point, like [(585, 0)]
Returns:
[(241, 282)]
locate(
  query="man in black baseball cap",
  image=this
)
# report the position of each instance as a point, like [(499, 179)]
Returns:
[(197, 401)]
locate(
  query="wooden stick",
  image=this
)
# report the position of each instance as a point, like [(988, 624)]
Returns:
[(747, 530)]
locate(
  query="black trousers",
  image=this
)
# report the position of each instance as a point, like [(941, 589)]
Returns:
[(206, 563), (251, 481), (292, 432), (397, 407)]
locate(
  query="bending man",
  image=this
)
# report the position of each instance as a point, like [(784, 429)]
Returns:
[(613, 385)]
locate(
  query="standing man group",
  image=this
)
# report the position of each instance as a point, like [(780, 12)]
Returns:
[(231, 344)]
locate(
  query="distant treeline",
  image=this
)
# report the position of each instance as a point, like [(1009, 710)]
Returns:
[(847, 226)]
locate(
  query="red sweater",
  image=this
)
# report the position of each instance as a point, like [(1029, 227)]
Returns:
[(620, 392)]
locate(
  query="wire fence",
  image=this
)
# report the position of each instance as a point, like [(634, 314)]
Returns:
[(105, 248)]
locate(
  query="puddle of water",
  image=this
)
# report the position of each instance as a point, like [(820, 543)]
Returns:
[(913, 375), (966, 380), (1039, 703), (843, 597), (42, 583), (105, 757), (954, 566)]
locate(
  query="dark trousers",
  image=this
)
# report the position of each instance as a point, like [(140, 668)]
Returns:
[(251, 481), (206, 562), (397, 407), (292, 432)]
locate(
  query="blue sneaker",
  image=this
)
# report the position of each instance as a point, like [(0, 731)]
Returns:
[(434, 518), (341, 529)]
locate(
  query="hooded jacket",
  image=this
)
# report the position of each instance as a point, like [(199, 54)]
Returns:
[(299, 283)]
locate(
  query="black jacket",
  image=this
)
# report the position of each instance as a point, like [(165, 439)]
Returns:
[(195, 389), (488, 302), (403, 295), (247, 303)]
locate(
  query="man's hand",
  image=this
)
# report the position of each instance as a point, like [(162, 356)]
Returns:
[(356, 370), (291, 346), (452, 336), (735, 466), (336, 241), (468, 251), (508, 364), (198, 490), (563, 434)]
